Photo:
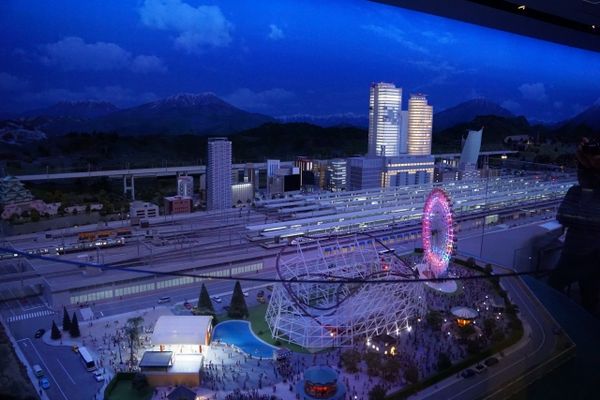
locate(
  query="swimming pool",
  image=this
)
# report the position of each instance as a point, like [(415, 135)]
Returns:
[(239, 334)]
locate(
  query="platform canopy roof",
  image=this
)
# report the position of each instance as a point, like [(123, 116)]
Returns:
[(186, 329)]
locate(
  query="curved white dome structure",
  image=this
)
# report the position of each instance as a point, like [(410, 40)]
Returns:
[(325, 314)]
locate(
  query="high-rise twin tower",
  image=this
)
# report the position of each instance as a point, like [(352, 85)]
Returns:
[(394, 132)]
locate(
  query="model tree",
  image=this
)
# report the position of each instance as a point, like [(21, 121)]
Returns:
[(55, 332), (238, 307), (66, 321), (74, 329), (205, 305), (132, 332)]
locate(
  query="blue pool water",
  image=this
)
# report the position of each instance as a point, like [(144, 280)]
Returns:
[(239, 334)]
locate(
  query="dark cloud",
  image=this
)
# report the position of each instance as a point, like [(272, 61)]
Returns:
[(534, 91), (73, 53), (275, 32), (11, 83)]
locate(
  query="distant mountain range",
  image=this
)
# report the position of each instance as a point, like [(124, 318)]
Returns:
[(206, 114), (467, 111), (325, 121), (589, 117), (200, 114)]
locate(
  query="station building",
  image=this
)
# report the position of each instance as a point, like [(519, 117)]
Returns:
[(348, 212)]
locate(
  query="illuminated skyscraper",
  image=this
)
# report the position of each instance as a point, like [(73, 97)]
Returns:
[(218, 174), (420, 120), (385, 117)]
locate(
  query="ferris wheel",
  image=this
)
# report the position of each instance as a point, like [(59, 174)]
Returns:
[(438, 231)]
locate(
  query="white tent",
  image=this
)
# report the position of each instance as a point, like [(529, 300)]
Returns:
[(182, 330)]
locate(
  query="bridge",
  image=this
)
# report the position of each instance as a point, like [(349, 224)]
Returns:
[(183, 170), (138, 172), (128, 175), (481, 154)]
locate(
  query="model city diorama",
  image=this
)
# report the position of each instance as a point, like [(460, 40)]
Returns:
[(336, 312), (348, 318), (339, 314), (280, 237)]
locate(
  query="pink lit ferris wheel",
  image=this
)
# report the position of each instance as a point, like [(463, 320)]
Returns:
[(438, 232)]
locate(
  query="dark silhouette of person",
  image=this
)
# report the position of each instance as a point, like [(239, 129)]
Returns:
[(579, 213)]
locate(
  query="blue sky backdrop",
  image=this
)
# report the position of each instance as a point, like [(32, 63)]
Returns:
[(278, 57)]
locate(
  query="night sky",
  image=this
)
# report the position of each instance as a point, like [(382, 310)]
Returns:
[(278, 57)]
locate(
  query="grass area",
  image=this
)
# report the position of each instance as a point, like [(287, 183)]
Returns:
[(260, 328), (123, 390), (14, 382)]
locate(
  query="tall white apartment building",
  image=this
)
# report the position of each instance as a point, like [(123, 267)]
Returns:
[(218, 174), (385, 106), (420, 121)]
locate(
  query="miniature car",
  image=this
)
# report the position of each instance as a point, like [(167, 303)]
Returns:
[(39, 333), (187, 305), (44, 383), (216, 299), (480, 368), (98, 376), (246, 294), (467, 373), (491, 361)]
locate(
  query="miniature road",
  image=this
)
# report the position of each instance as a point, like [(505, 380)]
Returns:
[(67, 376)]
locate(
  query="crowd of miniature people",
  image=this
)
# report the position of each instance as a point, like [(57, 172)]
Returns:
[(251, 395), (227, 368), (283, 364)]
